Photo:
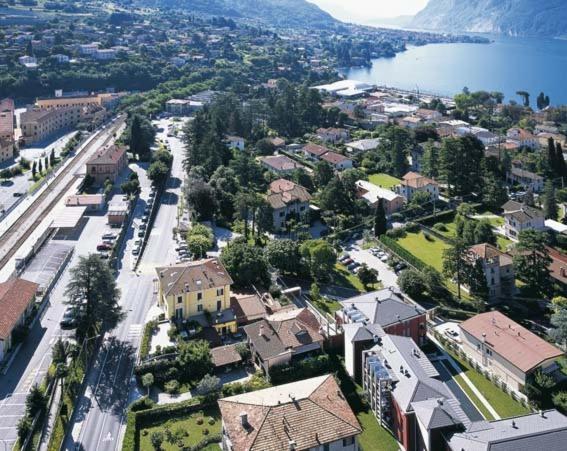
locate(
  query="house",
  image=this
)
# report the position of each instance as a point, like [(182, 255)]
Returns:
[(410, 122), (235, 142), (117, 212), (29, 62), (280, 164), (225, 358), (527, 179), (506, 349), (17, 297), (372, 194), (178, 107), (288, 200), (523, 137), (498, 269), (428, 115), (362, 145), (197, 290), (311, 414), (107, 163), (371, 315), (248, 308), (545, 429), (407, 395), (333, 135), (337, 161), (558, 267), (93, 202), (277, 142), (414, 182), (7, 109), (104, 55), (519, 217), (283, 337), (6, 149), (314, 152)]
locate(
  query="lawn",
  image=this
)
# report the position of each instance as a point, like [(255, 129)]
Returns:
[(186, 429), (326, 305), (503, 242), (490, 217), (383, 180), (429, 251), (503, 403)]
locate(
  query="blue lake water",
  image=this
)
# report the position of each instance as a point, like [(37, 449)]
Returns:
[(506, 65)]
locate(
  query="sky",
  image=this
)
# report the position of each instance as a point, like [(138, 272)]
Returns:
[(366, 11)]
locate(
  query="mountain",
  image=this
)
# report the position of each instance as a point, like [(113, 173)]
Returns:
[(513, 17), (283, 13)]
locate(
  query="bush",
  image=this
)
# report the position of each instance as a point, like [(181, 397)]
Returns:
[(412, 227), (144, 403), (440, 227), (302, 369), (205, 431), (396, 233), (428, 237), (560, 401), (200, 421), (147, 339), (211, 421), (397, 217), (172, 386)]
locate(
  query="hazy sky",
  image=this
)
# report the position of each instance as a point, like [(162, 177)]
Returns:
[(366, 10)]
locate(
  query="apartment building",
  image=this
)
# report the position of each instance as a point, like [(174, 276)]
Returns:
[(107, 163), (40, 124), (498, 269)]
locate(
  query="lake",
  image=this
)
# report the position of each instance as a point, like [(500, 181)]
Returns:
[(506, 65)]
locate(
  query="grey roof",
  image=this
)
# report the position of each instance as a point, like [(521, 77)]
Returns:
[(383, 307), (546, 431), (440, 413)]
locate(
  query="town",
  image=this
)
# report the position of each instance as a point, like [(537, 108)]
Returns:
[(210, 239)]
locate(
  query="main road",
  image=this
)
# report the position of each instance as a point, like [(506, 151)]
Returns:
[(99, 419)]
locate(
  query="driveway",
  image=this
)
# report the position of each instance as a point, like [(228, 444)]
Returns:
[(385, 273)]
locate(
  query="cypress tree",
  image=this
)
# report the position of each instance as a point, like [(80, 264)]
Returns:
[(560, 160), (380, 222), (549, 201), (551, 158)]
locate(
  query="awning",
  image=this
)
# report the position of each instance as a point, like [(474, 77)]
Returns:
[(68, 218)]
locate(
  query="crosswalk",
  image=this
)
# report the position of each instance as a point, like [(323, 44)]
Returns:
[(134, 332)]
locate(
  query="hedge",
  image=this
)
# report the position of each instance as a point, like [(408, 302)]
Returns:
[(302, 369), (145, 346)]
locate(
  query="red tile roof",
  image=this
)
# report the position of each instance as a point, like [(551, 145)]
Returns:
[(515, 343), (15, 297)]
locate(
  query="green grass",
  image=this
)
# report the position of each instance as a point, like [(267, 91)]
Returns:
[(326, 305), (383, 180), (188, 424), (471, 395), (344, 278), (429, 252), (503, 242), (495, 222), (502, 403)]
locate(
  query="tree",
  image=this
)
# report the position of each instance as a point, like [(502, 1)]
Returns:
[(158, 173), (60, 351), (208, 385), (320, 258), (476, 280), (532, 261), (559, 323), (93, 288), (561, 169), (335, 198), (494, 193), (148, 381), (461, 164), (34, 170), (380, 221), (141, 136), (454, 263), (483, 233), (265, 147), (24, 428), (543, 101), (156, 438), (36, 401), (131, 187), (243, 351), (198, 245), (39, 167), (246, 264), (200, 197), (323, 174), (412, 283), (315, 292), (430, 161), (367, 276), (525, 97), (551, 160), (52, 157), (550, 208), (284, 255), (194, 359)]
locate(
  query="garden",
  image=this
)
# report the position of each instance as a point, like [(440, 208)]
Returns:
[(383, 180)]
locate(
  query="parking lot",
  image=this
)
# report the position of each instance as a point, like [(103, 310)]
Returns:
[(372, 259), (47, 264)]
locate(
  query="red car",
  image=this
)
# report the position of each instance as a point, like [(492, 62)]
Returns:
[(104, 247)]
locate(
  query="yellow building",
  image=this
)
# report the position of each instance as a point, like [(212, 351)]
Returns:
[(198, 291)]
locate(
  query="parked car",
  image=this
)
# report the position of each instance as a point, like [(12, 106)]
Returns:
[(104, 255), (144, 219), (143, 227), (384, 258), (109, 236), (104, 247), (141, 233), (348, 261), (136, 250), (152, 194), (352, 266), (18, 194)]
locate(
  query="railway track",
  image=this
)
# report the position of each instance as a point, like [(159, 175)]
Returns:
[(20, 223)]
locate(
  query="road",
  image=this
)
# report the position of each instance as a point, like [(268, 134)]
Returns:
[(99, 420)]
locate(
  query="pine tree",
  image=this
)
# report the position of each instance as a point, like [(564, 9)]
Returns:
[(550, 201), (430, 163), (380, 222)]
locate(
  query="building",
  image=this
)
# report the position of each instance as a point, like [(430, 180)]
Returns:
[(414, 182), (225, 358), (545, 430), (107, 163), (507, 349), (372, 194), (104, 54), (498, 269), (6, 149), (314, 152), (93, 202), (407, 395), (519, 217), (428, 115), (64, 101), (522, 137), (558, 267), (288, 200), (312, 414), (337, 161), (346, 88), (283, 337), (40, 124), (410, 122), (7, 109), (333, 135), (235, 142), (182, 107), (196, 290), (363, 145), (29, 62), (280, 164), (371, 315), (17, 297), (117, 212), (526, 179)]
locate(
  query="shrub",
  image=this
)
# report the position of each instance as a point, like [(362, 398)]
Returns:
[(397, 217), (205, 431), (396, 233), (200, 421), (144, 403), (560, 401), (302, 369), (211, 421), (428, 237), (147, 339), (440, 227), (172, 386), (412, 227)]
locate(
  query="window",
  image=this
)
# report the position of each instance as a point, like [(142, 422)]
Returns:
[(219, 306), (199, 307), (220, 291), (326, 447), (179, 299), (199, 296), (348, 441), (488, 351)]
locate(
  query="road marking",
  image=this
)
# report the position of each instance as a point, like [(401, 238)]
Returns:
[(108, 438)]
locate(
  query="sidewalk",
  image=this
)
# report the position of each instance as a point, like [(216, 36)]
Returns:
[(51, 418), (465, 378)]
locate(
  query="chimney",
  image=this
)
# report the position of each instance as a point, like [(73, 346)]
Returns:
[(161, 274), (261, 330), (186, 287), (440, 402), (244, 419), (291, 445)]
